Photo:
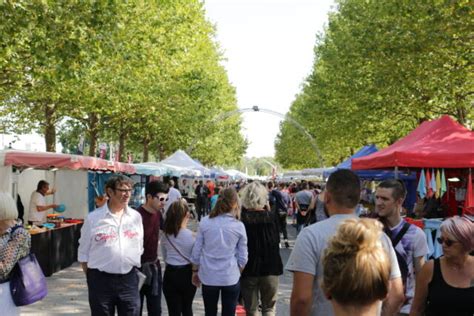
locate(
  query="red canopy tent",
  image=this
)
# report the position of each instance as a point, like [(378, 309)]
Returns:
[(46, 160), (441, 143)]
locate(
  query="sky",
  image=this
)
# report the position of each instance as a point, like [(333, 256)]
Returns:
[(268, 47)]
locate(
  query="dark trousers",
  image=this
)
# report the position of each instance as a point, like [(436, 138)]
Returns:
[(230, 295), (178, 290), (153, 302), (282, 219), (202, 206), (109, 291)]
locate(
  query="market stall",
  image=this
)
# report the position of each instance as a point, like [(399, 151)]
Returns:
[(20, 171), (442, 153), (407, 176)]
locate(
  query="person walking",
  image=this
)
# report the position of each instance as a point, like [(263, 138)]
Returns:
[(278, 205), (259, 281), (409, 241), (110, 248), (341, 198), (202, 200), (156, 194), (177, 243), (356, 268), (15, 244), (220, 254)]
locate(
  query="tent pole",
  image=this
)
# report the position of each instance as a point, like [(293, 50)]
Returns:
[(396, 172)]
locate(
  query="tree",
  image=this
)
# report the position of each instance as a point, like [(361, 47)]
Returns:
[(380, 69)]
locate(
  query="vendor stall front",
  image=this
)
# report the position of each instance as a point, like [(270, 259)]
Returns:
[(407, 176), (441, 151), (69, 175)]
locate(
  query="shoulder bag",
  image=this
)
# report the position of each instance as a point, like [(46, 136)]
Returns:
[(177, 250), (27, 281)]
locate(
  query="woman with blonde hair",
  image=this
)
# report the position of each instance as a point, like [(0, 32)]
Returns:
[(356, 268), (15, 244), (177, 244), (445, 286), (260, 276), (220, 254)]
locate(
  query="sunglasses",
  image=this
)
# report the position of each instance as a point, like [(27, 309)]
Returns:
[(161, 199), (447, 242)]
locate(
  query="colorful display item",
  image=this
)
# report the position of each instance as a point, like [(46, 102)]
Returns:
[(60, 208)]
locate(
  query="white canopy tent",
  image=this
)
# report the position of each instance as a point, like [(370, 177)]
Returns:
[(182, 160)]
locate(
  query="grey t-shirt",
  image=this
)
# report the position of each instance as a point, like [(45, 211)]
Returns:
[(308, 252), (184, 242), (303, 197)]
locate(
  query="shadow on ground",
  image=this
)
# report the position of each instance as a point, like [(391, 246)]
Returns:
[(67, 291)]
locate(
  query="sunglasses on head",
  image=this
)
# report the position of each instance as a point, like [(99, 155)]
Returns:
[(447, 242)]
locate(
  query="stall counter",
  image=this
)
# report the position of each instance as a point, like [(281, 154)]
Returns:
[(56, 249)]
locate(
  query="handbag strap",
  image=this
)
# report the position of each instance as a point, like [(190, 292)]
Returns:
[(177, 250)]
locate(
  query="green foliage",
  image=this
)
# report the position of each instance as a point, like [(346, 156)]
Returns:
[(380, 69), (146, 75)]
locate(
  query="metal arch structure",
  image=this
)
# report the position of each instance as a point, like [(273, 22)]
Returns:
[(280, 115)]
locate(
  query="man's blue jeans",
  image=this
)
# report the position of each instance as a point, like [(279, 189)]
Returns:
[(230, 295)]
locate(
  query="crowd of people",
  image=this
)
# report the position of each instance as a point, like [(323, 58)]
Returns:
[(341, 264)]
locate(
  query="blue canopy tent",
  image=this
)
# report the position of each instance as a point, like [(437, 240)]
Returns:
[(409, 178)]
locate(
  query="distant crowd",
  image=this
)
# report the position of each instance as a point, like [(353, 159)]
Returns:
[(342, 263)]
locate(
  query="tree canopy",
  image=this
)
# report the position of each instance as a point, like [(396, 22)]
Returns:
[(145, 75), (381, 68)]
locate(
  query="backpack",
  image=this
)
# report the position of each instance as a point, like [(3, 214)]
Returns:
[(403, 265)]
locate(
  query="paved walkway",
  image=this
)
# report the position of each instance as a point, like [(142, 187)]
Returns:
[(68, 292)]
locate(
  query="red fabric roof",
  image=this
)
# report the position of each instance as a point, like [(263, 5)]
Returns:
[(46, 160), (441, 143)]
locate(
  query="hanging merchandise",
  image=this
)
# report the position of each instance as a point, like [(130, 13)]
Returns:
[(469, 199), (444, 187), (438, 184), (429, 191), (421, 189), (433, 182)]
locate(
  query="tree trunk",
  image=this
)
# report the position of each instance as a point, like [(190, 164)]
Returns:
[(49, 128), (146, 144), (461, 115), (121, 150), (93, 122), (161, 152)]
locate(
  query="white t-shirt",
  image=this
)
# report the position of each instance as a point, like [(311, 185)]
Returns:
[(173, 196), (308, 253), (35, 200)]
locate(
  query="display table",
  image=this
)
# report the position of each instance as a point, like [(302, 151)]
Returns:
[(56, 249)]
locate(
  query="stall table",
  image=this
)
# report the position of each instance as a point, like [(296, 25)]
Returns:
[(56, 249)]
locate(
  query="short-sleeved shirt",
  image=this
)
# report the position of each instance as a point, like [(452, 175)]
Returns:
[(183, 242), (303, 197), (308, 253), (412, 245), (35, 216)]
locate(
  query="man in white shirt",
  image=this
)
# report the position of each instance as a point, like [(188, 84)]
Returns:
[(38, 207), (173, 196), (110, 247)]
